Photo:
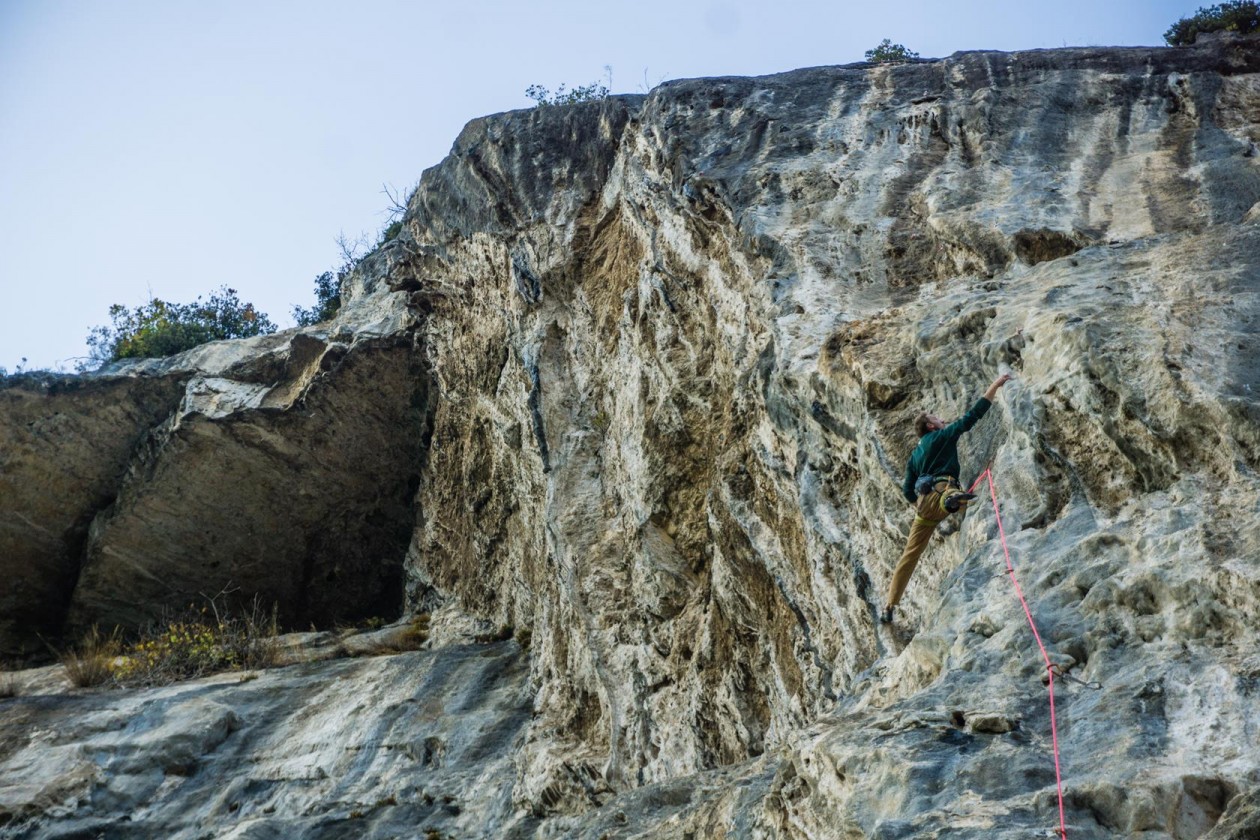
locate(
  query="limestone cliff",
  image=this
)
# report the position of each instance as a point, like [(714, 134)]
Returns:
[(635, 385)]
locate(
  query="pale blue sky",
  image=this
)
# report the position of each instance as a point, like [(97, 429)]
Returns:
[(168, 148)]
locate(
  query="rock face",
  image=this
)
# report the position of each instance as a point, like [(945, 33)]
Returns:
[(222, 758), (66, 447), (285, 469), (303, 491), (636, 385)]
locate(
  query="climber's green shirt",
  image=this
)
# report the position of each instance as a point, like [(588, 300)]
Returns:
[(937, 452)]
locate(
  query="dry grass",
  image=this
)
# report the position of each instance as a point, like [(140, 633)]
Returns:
[(195, 643), (199, 643), (417, 632), (91, 662), (501, 635), (411, 637), (252, 640)]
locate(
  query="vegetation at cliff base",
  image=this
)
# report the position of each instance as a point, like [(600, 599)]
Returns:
[(886, 52), (161, 328), (1241, 16), (90, 662), (195, 643)]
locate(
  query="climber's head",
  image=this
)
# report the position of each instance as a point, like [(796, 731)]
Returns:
[(925, 423)]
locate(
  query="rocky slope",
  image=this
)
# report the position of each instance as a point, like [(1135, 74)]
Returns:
[(635, 386)]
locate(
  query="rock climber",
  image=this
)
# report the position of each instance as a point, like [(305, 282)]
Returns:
[(932, 486)]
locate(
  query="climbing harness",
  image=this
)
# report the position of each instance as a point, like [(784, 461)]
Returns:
[(1052, 670)]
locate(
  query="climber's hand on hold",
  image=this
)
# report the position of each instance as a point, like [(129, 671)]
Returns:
[(997, 383)]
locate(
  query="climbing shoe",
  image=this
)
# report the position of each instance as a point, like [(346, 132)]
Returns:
[(953, 503), (886, 616)]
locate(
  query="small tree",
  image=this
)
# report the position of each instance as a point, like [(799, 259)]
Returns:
[(395, 212), (1241, 16), (160, 328), (328, 285), (889, 53), (327, 300), (353, 251)]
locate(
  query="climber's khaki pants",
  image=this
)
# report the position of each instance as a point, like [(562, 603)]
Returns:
[(930, 511)]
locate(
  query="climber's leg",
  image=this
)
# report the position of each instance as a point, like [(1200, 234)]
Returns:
[(920, 533)]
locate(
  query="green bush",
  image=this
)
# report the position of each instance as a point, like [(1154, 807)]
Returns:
[(195, 643), (160, 328), (1241, 16), (582, 93), (889, 53), (391, 231), (327, 300), (198, 643)]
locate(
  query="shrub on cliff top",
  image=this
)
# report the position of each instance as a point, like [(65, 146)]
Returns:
[(1241, 16), (328, 285), (160, 328), (889, 53), (581, 93)]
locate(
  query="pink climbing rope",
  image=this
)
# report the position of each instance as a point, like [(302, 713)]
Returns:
[(1010, 570)]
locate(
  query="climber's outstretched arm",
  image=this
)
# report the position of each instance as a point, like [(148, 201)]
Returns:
[(997, 384), (972, 417)]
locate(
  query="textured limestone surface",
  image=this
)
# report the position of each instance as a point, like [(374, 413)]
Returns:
[(390, 746), (636, 385)]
